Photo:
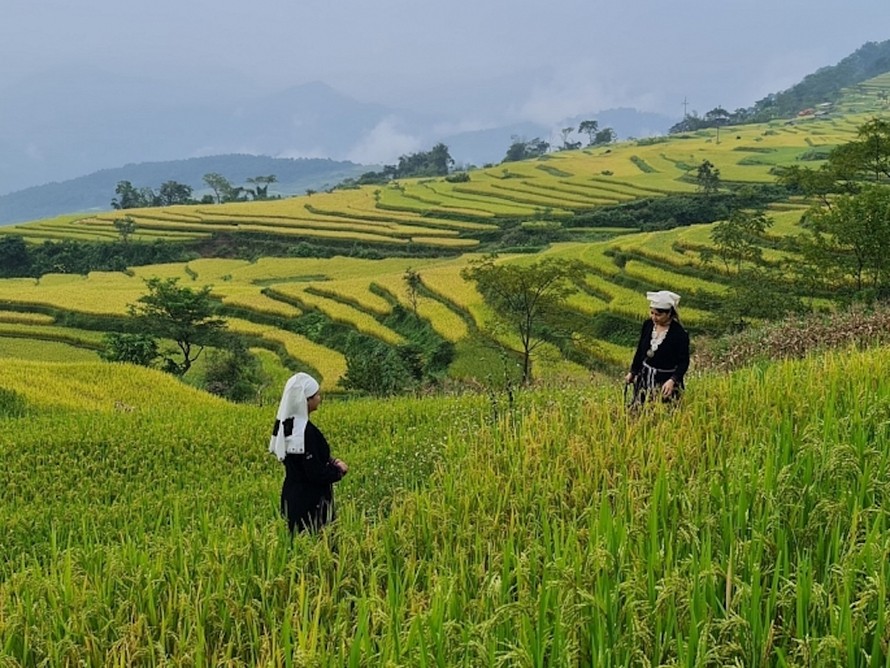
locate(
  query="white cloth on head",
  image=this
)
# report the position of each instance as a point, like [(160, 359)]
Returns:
[(293, 406), (663, 299)]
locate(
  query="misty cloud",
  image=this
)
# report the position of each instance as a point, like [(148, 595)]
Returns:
[(384, 144)]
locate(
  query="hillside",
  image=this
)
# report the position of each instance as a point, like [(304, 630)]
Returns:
[(95, 191), (303, 310), (749, 527), (826, 84)]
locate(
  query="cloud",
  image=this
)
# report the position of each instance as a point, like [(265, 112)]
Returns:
[(585, 87), (384, 144)]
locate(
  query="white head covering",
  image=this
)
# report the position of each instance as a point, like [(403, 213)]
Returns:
[(297, 390), (663, 299)]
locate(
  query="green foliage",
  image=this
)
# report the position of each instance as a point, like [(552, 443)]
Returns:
[(18, 259), (182, 315), (234, 373), (825, 84), (380, 370), (755, 293), (738, 239), (523, 149), (642, 165), (669, 211), (413, 283), (125, 227), (707, 177), (170, 193), (528, 300), (15, 257), (851, 241), (458, 177), (136, 348)]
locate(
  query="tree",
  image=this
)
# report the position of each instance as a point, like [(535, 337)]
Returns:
[(179, 314), (522, 149), (377, 369), (852, 239), (527, 299), (233, 372), (413, 283), (604, 136), (867, 158), (566, 144), (128, 196), (219, 184), (738, 239), (125, 227), (589, 128), (261, 185), (172, 193), (15, 258), (708, 178), (140, 348), (435, 162)]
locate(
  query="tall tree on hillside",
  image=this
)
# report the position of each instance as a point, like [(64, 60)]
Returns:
[(528, 300)]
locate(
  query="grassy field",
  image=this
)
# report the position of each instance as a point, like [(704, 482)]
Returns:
[(749, 527)]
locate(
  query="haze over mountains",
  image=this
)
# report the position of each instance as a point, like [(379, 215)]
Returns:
[(70, 123)]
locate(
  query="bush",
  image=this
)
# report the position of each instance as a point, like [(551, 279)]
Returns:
[(459, 177), (233, 373), (141, 349)]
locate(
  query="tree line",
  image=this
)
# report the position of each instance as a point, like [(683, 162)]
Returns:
[(171, 193)]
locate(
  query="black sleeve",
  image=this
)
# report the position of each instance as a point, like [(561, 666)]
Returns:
[(316, 463), (682, 353), (642, 346)]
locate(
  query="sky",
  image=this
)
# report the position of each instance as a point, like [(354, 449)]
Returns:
[(482, 61)]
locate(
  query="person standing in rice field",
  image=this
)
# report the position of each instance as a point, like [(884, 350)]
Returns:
[(307, 495), (662, 356)]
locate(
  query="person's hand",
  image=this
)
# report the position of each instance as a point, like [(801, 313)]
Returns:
[(340, 464), (668, 388), (629, 378)]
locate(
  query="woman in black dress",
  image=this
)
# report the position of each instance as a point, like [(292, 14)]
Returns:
[(662, 356), (307, 496)]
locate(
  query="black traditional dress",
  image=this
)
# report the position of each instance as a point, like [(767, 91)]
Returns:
[(651, 368), (307, 496)]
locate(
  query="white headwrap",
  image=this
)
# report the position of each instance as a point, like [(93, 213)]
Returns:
[(293, 405), (663, 299)]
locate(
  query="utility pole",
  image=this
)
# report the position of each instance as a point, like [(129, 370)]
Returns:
[(685, 104)]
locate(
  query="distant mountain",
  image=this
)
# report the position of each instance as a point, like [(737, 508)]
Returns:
[(95, 191), (71, 122)]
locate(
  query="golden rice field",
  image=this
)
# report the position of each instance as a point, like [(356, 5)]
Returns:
[(749, 527)]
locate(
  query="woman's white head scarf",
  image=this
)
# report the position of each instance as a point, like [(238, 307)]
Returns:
[(293, 406), (663, 299)]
